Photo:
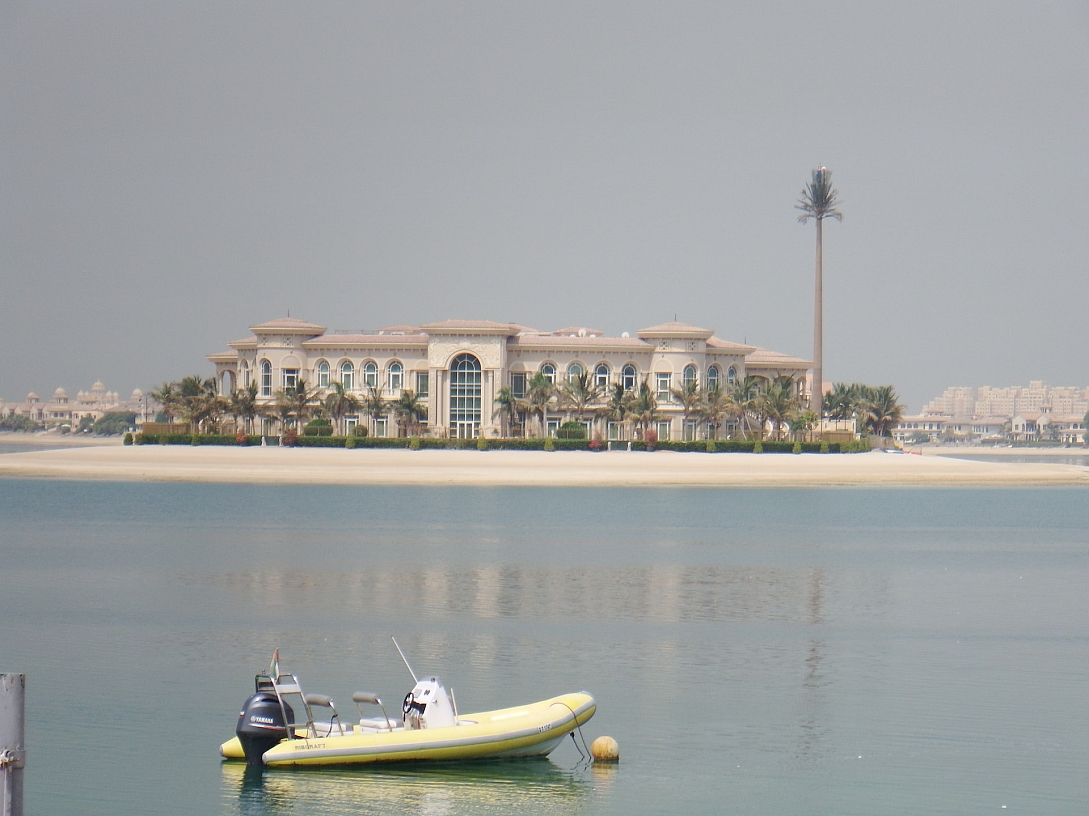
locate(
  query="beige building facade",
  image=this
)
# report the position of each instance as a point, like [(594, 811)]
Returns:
[(94, 403), (988, 415), (457, 367)]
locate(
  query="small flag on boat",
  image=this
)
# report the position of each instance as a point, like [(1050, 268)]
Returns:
[(274, 666)]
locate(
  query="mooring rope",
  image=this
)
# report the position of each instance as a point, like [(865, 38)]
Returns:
[(584, 754)]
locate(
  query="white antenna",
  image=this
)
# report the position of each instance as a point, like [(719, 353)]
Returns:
[(402, 654)]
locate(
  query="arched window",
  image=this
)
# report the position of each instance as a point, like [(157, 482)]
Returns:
[(601, 376), (323, 374), (266, 378), (688, 378), (574, 371), (731, 375), (227, 383), (465, 401), (347, 375), (712, 378), (628, 377), (396, 376), (549, 371), (370, 374), (245, 374)]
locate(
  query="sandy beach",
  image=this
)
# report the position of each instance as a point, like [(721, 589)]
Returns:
[(274, 465)]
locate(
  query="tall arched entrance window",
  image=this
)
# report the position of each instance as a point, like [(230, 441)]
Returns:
[(465, 396), (266, 378)]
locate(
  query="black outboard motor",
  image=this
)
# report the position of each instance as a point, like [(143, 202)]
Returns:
[(261, 722)]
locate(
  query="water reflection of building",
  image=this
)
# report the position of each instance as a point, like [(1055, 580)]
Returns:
[(457, 367), (667, 593)]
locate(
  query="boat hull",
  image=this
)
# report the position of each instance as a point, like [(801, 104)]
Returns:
[(523, 731)]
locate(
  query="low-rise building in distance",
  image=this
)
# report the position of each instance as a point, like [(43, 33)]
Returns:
[(989, 415), (60, 409)]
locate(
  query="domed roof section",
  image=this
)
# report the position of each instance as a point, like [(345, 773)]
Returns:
[(59, 393), (291, 325), (137, 394), (578, 331), (32, 397), (399, 329), (98, 388), (471, 327), (675, 328)]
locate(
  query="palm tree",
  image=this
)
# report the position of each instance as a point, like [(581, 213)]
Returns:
[(167, 396), (802, 423), (340, 402), (374, 405), (644, 408), (690, 398), (409, 410), (715, 403), (780, 403), (840, 402), (818, 201), (745, 396), (578, 393), (616, 409), (539, 393), (283, 409), (243, 405), (506, 409), (885, 409), (305, 402), (197, 400)]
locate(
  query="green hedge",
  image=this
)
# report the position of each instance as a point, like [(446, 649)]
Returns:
[(735, 446), (430, 443), (191, 439), (309, 440)]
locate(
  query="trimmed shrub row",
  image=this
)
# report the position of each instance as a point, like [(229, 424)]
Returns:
[(429, 443)]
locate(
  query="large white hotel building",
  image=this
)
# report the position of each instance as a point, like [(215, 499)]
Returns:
[(458, 366)]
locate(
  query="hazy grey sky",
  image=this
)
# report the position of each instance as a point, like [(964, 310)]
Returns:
[(173, 172)]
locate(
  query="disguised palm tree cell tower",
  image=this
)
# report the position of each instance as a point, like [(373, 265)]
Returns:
[(818, 201)]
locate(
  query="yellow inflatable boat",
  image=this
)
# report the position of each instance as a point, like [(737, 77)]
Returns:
[(430, 728)]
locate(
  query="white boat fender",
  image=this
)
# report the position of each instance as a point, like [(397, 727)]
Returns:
[(605, 749)]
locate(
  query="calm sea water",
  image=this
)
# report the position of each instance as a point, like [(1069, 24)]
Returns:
[(753, 651), (1064, 458)]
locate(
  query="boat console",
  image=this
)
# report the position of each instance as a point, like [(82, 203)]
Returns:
[(429, 705)]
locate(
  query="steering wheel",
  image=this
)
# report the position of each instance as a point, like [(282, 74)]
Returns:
[(406, 706)]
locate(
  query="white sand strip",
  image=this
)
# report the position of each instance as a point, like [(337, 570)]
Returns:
[(273, 465)]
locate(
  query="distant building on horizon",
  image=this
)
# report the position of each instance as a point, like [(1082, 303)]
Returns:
[(60, 409), (991, 415), (457, 367)]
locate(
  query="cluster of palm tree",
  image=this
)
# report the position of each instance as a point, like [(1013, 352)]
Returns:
[(752, 402), (198, 403), (876, 409), (194, 400)]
